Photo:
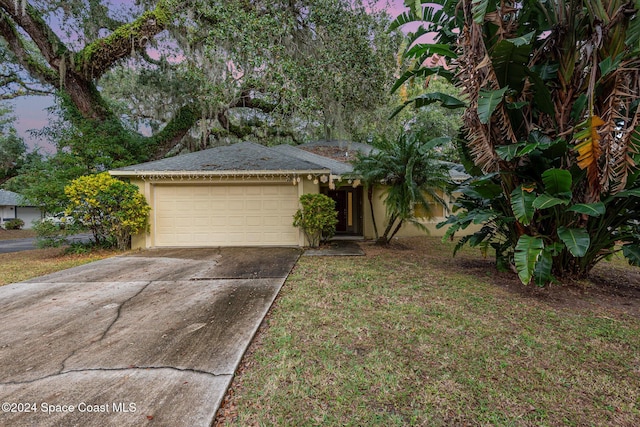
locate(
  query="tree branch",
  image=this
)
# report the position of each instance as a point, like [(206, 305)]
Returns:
[(8, 83), (150, 60), (7, 79), (81, 92), (247, 101), (24, 91), (184, 119), (96, 58), (48, 43), (36, 68)]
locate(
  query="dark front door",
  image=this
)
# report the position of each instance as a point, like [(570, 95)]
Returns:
[(349, 207)]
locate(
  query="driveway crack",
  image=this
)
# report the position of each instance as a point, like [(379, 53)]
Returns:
[(106, 331), (151, 368), (31, 381), (142, 289), (131, 368)]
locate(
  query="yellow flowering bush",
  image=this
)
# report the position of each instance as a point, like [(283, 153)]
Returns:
[(112, 209)]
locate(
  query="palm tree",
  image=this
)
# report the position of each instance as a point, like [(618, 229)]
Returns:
[(412, 175), (551, 91)]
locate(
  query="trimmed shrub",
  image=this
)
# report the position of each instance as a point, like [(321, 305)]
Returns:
[(14, 224), (317, 217)]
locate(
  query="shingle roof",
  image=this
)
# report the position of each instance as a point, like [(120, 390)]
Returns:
[(457, 172), (9, 198), (243, 156), (249, 156), (347, 145), (336, 167)]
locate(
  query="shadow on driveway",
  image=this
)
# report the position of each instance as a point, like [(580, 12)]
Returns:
[(154, 336)]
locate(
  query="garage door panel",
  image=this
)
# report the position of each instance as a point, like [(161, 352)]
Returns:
[(232, 205), (201, 222), (218, 221), (201, 205), (225, 215), (254, 221), (236, 221), (254, 191), (273, 221), (272, 205)]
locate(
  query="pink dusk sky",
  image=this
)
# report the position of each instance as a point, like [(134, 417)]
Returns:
[(31, 114)]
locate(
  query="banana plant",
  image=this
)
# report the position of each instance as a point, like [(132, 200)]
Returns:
[(560, 233), (551, 117)]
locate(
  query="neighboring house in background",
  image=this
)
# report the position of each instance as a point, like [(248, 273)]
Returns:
[(246, 194), (13, 205)]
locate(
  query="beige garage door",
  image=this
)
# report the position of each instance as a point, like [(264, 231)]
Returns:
[(225, 215)]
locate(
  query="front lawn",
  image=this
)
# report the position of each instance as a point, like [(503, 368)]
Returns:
[(19, 266), (410, 336)]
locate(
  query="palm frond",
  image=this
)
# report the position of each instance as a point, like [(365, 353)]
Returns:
[(446, 101), (421, 72), (403, 19)]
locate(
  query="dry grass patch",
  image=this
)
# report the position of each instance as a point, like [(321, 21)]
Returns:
[(19, 266), (410, 336)]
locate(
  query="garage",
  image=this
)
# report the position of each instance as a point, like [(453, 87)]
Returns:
[(225, 215), (237, 195)]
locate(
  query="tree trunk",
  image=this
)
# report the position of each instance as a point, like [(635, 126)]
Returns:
[(373, 217), (74, 74), (396, 229), (565, 266), (384, 239), (84, 96)]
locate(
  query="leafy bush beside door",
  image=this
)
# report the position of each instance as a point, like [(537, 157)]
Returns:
[(317, 217)]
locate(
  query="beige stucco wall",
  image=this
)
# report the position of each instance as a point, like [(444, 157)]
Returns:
[(27, 214), (407, 229), (141, 240)]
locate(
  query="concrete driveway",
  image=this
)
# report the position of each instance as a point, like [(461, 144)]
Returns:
[(152, 338)]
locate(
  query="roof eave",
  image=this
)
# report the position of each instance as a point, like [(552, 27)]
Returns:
[(160, 174)]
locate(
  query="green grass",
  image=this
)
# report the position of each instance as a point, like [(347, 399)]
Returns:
[(411, 337)]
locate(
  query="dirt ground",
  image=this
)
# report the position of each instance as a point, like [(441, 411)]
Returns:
[(611, 285)]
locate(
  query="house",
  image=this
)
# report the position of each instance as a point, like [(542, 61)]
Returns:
[(14, 206), (246, 195)]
